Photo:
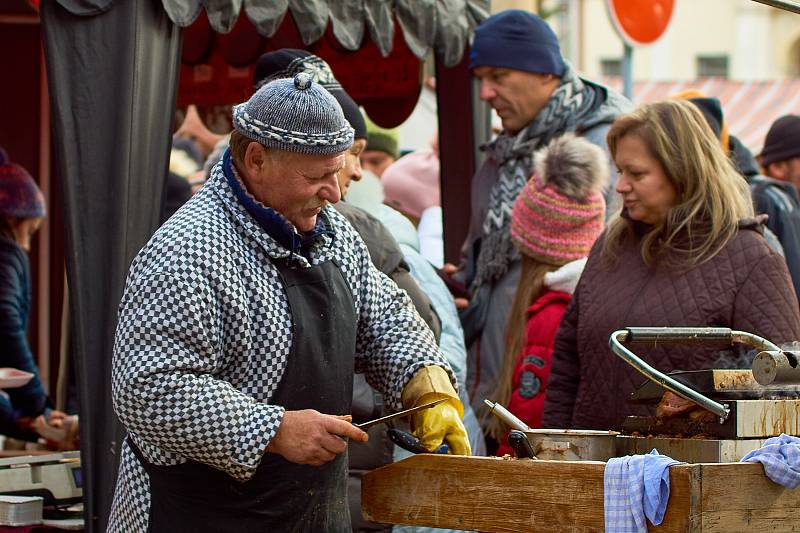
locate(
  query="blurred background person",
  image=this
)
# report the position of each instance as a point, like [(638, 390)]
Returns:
[(25, 412), (185, 162), (382, 148), (776, 199), (780, 157), (556, 219), (411, 186), (683, 251)]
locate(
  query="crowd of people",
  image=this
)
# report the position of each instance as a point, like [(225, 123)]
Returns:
[(298, 282)]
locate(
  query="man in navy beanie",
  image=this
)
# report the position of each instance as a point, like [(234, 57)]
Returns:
[(517, 61)]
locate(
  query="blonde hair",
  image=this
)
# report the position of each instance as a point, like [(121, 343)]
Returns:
[(712, 197), (531, 283)]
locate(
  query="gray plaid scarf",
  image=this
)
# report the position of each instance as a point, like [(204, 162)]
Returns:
[(571, 105)]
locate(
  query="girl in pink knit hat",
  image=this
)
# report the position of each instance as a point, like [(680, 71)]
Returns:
[(555, 221)]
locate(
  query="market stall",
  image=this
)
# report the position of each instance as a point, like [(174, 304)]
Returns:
[(706, 419), (112, 71)]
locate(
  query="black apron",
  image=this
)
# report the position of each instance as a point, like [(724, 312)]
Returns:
[(281, 496)]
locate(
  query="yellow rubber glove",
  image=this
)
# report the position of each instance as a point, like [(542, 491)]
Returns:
[(441, 423)]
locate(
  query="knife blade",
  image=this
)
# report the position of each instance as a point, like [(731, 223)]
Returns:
[(381, 420)]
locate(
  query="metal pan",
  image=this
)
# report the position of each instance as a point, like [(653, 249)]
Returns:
[(573, 444)]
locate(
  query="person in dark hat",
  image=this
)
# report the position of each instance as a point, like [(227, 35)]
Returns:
[(777, 199), (780, 157), (241, 325), (25, 412), (382, 148), (538, 96)]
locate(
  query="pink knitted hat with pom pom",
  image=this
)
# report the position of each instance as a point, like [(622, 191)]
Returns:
[(561, 211), (20, 197)]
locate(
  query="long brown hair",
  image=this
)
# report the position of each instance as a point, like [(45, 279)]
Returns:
[(531, 285), (712, 196)]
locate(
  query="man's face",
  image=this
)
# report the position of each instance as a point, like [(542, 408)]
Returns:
[(297, 186), (788, 170), (24, 229), (352, 166), (517, 96), (376, 161)]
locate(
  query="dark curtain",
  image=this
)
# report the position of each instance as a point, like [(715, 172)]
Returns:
[(112, 73)]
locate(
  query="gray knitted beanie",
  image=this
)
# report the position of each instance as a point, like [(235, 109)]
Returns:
[(296, 115)]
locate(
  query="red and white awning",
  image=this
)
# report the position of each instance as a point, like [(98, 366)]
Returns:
[(750, 107)]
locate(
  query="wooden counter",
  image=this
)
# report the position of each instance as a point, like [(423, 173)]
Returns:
[(502, 495)]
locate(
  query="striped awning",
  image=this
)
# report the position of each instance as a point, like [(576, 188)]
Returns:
[(750, 107)]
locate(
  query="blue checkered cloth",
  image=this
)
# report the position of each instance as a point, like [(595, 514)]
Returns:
[(636, 487), (781, 459)]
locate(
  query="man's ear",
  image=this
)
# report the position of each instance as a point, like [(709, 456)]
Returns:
[(254, 158), (777, 170)]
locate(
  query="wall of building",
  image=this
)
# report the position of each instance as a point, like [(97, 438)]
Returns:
[(755, 41)]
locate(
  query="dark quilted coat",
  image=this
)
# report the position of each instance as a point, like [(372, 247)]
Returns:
[(746, 286)]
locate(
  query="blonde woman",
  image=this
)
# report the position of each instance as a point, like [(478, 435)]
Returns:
[(554, 223), (683, 251)]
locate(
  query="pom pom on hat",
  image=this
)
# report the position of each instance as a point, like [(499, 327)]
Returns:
[(20, 197), (561, 211)]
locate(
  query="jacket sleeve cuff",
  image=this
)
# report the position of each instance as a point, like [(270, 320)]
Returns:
[(430, 384)]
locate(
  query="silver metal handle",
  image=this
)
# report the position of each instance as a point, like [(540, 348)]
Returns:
[(506, 416), (682, 335), (620, 336)]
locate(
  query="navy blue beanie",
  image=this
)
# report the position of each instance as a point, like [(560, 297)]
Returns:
[(518, 40)]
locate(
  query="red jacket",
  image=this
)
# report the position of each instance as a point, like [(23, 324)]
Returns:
[(534, 361)]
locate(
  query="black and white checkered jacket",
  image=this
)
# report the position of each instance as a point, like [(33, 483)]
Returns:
[(204, 332)]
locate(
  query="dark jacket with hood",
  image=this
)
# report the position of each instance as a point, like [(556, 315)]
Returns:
[(745, 286), (15, 305), (777, 199)]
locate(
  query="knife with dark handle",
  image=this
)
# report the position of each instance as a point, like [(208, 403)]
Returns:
[(406, 412)]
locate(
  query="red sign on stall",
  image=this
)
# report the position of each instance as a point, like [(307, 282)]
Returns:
[(640, 21)]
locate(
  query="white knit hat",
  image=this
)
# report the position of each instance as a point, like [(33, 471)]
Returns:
[(296, 115)]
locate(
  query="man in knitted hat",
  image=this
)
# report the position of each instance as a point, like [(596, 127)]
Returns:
[(780, 157), (517, 61), (384, 252), (242, 322)]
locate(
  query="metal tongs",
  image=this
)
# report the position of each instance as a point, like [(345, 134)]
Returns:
[(682, 335)]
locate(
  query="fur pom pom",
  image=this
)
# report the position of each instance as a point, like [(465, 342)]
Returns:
[(573, 166)]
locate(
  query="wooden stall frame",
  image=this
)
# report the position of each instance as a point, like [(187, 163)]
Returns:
[(511, 495)]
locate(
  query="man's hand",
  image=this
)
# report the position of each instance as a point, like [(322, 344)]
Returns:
[(309, 437), (459, 292), (450, 268)]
